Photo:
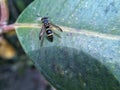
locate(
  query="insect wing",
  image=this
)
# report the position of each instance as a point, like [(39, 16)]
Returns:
[(57, 27)]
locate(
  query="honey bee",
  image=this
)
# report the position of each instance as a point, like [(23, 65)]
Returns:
[(47, 28)]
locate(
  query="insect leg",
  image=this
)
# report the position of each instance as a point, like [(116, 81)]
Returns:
[(41, 35), (56, 27)]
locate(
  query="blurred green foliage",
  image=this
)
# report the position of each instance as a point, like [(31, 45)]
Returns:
[(16, 7)]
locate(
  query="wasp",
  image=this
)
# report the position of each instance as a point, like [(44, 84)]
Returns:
[(47, 29)]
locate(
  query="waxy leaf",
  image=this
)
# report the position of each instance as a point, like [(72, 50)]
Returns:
[(87, 56)]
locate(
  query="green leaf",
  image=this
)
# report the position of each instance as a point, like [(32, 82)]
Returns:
[(87, 56)]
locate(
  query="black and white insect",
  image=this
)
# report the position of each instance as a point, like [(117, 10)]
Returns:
[(47, 29)]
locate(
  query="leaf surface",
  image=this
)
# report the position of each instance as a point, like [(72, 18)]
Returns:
[(87, 56)]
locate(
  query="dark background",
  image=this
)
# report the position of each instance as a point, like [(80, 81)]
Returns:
[(17, 72)]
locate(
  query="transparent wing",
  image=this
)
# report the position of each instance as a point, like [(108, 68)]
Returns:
[(57, 34), (57, 27)]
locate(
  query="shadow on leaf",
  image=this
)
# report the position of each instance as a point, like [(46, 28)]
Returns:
[(70, 68)]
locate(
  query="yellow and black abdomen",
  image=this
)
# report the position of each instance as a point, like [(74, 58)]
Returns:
[(49, 34)]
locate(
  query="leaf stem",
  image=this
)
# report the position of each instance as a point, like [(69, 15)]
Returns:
[(65, 29), (6, 28), (4, 15), (27, 25)]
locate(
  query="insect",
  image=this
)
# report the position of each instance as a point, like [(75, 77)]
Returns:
[(47, 28)]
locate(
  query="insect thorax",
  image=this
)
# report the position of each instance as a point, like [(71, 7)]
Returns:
[(46, 25)]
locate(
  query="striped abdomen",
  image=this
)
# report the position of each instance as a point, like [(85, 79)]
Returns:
[(49, 35)]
